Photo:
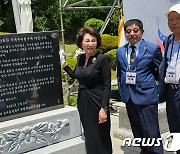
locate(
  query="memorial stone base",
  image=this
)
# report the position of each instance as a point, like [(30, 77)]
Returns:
[(53, 132), (124, 130)]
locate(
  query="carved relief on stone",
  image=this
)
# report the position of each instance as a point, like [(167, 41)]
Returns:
[(31, 137)]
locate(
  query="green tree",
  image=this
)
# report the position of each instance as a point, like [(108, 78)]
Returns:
[(7, 23), (75, 19), (46, 16), (93, 22)]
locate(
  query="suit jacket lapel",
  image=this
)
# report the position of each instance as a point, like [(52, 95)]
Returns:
[(142, 51), (166, 45), (124, 53)]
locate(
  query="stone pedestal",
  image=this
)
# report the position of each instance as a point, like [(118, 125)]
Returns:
[(124, 129), (53, 132)]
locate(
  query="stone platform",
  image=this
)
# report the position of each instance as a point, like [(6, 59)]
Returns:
[(124, 129), (53, 132)]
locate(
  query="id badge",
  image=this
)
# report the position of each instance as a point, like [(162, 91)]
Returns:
[(170, 75), (130, 78)]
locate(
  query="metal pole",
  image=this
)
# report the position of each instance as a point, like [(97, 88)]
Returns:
[(63, 46), (119, 9), (67, 90), (77, 3), (65, 3), (85, 8), (62, 29), (108, 17)]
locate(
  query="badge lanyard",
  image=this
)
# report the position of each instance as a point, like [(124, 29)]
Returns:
[(170, 58), (171, 70), (130, 75)]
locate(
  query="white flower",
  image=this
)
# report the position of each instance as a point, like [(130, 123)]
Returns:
[(78, 51)]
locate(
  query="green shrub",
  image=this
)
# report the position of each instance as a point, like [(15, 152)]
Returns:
[(112, 56), (72, 63), (93, 22), (108, 42), (72, 101), (41, 23)]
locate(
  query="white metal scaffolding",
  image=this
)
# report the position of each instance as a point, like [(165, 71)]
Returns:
[(23, 14), (74, 6)]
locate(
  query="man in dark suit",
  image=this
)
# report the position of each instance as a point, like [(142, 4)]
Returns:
[(170, 71), (137, 68)]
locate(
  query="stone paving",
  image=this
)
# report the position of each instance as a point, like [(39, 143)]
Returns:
[(117, 149)]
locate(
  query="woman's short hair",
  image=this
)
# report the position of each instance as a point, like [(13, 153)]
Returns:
[(87, 30)]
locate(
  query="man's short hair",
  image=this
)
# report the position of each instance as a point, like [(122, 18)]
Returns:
[(130, 22)]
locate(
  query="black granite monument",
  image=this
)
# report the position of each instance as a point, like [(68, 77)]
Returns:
[(30, 74)]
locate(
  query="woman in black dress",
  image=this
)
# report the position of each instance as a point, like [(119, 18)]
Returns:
[(93, 72)]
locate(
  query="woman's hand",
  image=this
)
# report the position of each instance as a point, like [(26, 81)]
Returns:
[(102, 116), (62, 58)]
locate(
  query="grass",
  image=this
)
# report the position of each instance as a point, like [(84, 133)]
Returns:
[(2, 33), (69, 48)]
